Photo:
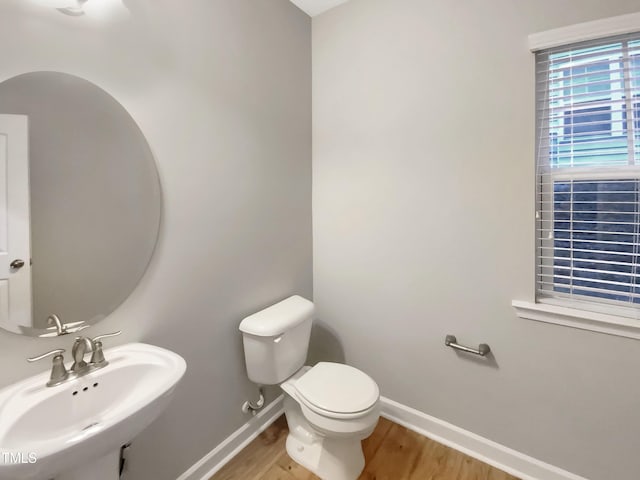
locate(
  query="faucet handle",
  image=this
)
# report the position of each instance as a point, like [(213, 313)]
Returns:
[(58, 371), (106, 335), (97, 357), (76, 329), (57, 352)]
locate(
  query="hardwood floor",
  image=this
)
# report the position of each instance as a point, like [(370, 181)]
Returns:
[(392, 452)]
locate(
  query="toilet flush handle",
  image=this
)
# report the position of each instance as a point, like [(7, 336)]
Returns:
[(278, 338)]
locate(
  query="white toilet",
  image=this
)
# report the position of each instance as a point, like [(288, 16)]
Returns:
[(330, 407)]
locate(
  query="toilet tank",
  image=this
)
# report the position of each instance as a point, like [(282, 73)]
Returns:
[(276, 340)]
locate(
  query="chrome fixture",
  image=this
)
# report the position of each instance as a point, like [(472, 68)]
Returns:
[(79, 368), (252, 407), (59, 373), (80, 347), (123, 457), (17, 264), (483, 349), (61, 329), (97, 356), (58, 327)]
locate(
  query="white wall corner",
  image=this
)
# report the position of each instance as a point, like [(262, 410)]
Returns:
[(581, 32), (316, 7), (483, 449), (217, 458)]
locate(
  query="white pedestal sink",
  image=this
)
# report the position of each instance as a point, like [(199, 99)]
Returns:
[(105, 468), (75, 430)]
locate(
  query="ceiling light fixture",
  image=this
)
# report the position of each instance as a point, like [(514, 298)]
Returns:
[(68, 7), (75, 9)]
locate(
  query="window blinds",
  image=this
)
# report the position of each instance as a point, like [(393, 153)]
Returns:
[(588, 172)]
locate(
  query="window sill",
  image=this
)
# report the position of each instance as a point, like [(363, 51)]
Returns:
[(581, 319)]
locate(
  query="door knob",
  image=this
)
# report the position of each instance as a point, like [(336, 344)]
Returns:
[(17, 264)]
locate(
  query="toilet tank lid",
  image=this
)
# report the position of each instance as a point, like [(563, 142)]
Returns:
[(278, 318)]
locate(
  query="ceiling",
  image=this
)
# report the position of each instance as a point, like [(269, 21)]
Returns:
[(316, 7)]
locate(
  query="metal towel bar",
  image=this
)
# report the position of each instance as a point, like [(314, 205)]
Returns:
[(483, 348)]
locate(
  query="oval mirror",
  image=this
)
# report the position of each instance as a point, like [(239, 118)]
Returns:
[(82, 211)]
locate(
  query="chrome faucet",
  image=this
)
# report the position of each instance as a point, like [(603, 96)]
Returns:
[(57, 327), (80, 347), (61, 329), (79, 368)]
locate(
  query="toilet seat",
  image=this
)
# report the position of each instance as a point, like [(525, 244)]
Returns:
[(335, 390)]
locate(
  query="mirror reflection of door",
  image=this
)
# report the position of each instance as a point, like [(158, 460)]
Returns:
[(15, 265)]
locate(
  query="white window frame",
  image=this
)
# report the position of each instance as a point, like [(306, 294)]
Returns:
[(613, 319)]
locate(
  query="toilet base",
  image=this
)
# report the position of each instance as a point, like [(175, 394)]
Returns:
[(329, 459)]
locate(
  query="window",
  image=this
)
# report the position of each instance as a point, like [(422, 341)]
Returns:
[(588, 173)]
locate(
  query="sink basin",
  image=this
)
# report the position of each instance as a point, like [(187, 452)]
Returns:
[(75, 430)]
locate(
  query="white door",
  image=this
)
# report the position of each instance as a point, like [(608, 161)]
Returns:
[(15, 245)]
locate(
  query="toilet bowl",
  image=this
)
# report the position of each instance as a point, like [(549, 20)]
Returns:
[(330, 407)]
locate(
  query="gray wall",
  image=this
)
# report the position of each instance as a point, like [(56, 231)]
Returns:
[(221, 90), (423, 175)]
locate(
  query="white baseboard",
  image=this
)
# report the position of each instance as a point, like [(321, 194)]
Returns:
[(506, 459), (487, 451), (217, 458)]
